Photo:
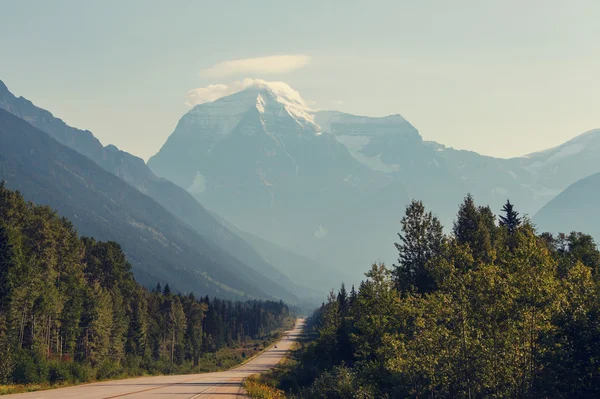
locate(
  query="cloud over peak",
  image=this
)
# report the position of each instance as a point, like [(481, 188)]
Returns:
[(213, 92), (270, 65)]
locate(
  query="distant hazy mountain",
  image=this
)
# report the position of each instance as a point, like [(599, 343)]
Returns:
[(333, 186), (558, 167), (302, 270), (134, 171), (160, 247), (257, 158), (575, 209)]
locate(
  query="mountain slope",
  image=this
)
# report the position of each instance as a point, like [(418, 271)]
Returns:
[(575, 209), (134, 171), (325, 184), (561, 166), (257, 158), (161, 247), (300, 269)]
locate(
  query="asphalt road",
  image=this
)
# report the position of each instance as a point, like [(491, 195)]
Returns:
[(222, 385)]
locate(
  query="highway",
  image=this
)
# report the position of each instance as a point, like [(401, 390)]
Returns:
[(222, 385)]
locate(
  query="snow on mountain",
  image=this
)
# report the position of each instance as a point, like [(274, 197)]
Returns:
[(571, 147), (273, 100), (560, 166), (335, 122), (365, 137), (323, 183), (356, 144)]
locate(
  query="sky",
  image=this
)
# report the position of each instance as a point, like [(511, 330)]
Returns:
[(500, 77)]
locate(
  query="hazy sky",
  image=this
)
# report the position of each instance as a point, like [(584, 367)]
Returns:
[(503, 77)]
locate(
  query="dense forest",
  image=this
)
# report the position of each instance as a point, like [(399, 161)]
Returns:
[(492, 310), (70, 309)]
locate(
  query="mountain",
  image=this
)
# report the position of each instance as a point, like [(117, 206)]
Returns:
[(575, 209), (161, 247), (329, 185), (333, 186), (134, 171), (302, 270), (257, 158), (558, 167)]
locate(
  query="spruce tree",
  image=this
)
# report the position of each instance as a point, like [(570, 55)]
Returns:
[(466, 226), (420, 241), (511, 219), (6, 262), (343, 299), (475, 227)]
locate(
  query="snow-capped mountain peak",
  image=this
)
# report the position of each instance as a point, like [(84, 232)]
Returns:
[(273, 100)]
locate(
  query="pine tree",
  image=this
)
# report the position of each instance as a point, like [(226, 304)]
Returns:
[(6, 263), (475, 227), (466, 226), (353, 294), (421, 240), (511, 219), (342, 299)]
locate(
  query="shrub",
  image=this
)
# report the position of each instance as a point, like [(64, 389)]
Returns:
[(6, 367), (29, 368), (108, 369), (256, 390), (59, 372), (341, 382), (81, 372)]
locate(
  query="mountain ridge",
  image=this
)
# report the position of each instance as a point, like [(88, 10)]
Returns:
[(105, 207), (331, 168), (135, 172)]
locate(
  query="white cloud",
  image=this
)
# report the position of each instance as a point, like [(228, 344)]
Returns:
[(206, 94), (271, 65), (213, 92)]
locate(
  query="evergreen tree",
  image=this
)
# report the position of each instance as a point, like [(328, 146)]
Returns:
[(466, 226), (508, 313), (7, 260), (475, 227), (342, 299), (510, 219), (420, 241), (69, 299)]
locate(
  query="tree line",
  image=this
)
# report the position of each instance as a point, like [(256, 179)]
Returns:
[(70, 308), (491, 310)]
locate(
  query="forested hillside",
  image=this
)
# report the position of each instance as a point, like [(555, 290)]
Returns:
[(159, 246), (70, 309), (171, 197), (494, 310)]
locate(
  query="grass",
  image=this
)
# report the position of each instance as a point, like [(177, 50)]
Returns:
[(258, 390), (8, 389), (224, 359), (265, 385), (281, 381)]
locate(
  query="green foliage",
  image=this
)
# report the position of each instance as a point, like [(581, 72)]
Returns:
[(71, 311), (258, 390), (505, 312), (420, 241)]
